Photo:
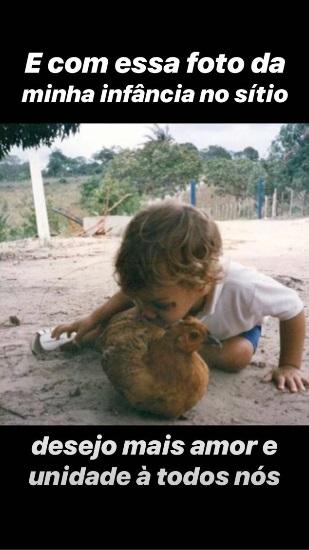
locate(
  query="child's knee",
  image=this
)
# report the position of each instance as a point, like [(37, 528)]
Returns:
[(239, 355), (235, 354)]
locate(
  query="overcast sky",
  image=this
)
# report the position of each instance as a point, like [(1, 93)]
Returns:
[(92, 137)]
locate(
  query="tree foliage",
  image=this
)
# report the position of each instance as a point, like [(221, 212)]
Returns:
[(160, 134), (214, 152), (158, 168), (233, 177), (32, 135), (13, 169), (162, 166), (60, 165), (248, 153), (105, 155), (107, 195), (288, 162)]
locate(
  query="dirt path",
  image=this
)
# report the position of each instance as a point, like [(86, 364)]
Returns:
[(44, 287)]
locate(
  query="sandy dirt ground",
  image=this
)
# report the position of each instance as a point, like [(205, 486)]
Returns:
[(47, 286)]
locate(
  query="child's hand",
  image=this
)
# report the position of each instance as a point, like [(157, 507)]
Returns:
[(68, 328), (80, 326), (289, 377)]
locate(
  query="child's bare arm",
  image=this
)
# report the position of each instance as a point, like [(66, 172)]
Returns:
[(118, 302), (292, 336)]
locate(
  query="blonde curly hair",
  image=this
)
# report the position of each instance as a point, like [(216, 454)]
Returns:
[(169, 241)]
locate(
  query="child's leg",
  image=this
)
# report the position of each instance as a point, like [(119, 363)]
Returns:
[(236, 352)]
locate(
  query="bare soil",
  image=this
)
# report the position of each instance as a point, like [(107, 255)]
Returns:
[(43, 287)]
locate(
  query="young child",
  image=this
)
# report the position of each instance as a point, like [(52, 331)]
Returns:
[(170, 265)]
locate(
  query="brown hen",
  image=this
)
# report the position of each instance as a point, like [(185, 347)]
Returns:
[(157, 370)]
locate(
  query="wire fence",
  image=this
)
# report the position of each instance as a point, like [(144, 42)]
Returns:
[(280, 204)]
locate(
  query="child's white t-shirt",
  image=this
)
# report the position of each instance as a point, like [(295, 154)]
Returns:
[(243, 298)]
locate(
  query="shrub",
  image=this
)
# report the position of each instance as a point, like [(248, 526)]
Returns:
[(3, 223), (109, 195)]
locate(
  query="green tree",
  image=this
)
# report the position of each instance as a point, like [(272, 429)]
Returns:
[(108, 195), (214, 152), (251, 154), (234, 177), (165, 167), (123, 166), (32, 135), (158, 168), (13, 169), (58, 164), (288, 161), (248, 153), (104, 156), (160, 134)]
